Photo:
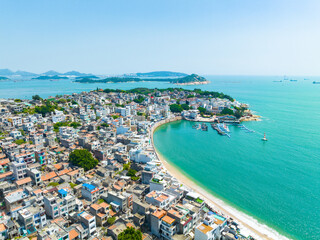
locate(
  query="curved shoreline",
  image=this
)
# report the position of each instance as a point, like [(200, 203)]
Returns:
[(246, 222)]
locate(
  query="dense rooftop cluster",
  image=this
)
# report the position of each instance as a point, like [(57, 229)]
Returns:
[(82, 166)]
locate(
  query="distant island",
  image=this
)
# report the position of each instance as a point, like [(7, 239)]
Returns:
[(161, 74), (178, 78), (192, 79), (55, 77), (4, 78)]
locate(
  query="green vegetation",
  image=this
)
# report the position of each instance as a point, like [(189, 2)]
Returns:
[(141, 114), (140, 99), (130, 234), (187, 79), (83, 158), (20, 141), (198, 200), (55, 77), (185, 106), (115, 116), (57, 125), (48, 107), (100, 201), (29, 110), (105, 125), (155, 180), (61, 100), (72, 185), (227, 111), (111, 220), (75, 124), (36, 97), (132, 173), (126, 166), (53, 184), (147, 91), (190, 96), (202, 110), (176, 108), (18, 100)]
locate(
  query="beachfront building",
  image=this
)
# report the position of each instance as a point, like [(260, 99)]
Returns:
[(211, 227), (160, 199)]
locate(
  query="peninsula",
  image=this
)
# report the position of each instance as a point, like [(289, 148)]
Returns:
[(54, 77), (192, 79), (83, 163)]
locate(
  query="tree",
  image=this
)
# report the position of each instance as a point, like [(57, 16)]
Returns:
[(53, 184), (111, 220), (202, 110), (176, 108), (75, 124), (36, 97), (20, 141), (83, 158), (139, 99), (185, 106), (130, 234), (227, 111), (131, 172)]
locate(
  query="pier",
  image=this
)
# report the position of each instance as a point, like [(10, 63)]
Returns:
[(245, 128)]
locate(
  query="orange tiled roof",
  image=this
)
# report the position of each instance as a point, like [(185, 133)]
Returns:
[(64, 171), (48, 176), (159, 213), (73, 234), (23, 181), (95, 206), (104, 205), (2, 227), (57, 166), (129, 225), (168, 219), (4, 161), (6, 174)]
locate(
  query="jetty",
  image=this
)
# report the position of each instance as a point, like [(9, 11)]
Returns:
[(219, 130), (245, 128)]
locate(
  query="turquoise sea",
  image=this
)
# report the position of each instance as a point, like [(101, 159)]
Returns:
[(276, 182)]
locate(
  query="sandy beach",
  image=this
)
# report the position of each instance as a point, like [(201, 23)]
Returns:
[(247, 224)]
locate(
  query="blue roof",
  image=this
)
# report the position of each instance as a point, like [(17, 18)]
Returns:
[(62, 192), (89, 186)]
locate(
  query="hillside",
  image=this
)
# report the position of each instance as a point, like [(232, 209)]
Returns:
[(190, 79), (161, 74), (55, 77)]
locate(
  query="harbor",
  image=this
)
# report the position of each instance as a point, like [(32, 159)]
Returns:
[(223, 129)]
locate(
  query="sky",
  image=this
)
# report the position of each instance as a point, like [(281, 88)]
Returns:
[(225, 37)]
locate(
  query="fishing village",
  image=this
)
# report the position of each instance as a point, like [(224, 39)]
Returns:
[(83, 166)]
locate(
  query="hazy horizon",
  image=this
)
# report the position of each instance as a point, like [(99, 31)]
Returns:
[(262, 38)]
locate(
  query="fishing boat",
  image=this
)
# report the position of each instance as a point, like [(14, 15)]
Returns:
[(204, 127), (314, 82), (264, 137), (223, 127)]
